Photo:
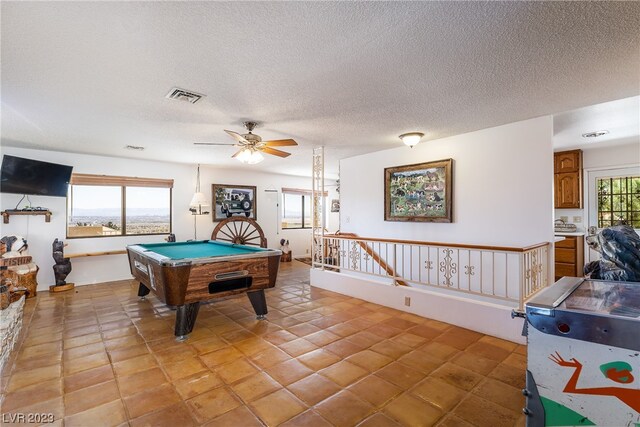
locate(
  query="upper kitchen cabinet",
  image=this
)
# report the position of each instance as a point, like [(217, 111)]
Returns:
[(567, 161), (568, 179)]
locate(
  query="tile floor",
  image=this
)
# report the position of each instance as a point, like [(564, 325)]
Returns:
[(99, 356)]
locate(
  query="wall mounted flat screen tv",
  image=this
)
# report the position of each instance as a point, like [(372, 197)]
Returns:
[(33, 177)]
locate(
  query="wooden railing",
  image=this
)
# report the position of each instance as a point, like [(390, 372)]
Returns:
[(505, 273), (381, 262)]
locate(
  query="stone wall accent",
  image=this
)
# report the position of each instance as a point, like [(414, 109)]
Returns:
[(10, 326)]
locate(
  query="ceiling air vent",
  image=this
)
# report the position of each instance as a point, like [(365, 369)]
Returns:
[(184, 95), (595, 134)]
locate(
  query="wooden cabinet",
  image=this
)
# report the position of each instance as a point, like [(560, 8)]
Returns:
[(567, 190), (569, 257), (567, 179), (567, 161)]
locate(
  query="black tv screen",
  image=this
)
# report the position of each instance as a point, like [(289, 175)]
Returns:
[(26, 176)]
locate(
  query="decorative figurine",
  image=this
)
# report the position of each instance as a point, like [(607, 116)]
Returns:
[(16, 245), (619, 247), (63, 265), (286, 251)]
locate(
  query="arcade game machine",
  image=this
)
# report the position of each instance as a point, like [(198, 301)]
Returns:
[(584, 354)]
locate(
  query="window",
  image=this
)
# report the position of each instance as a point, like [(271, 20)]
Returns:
[(618, 199), (296, 208), (102, 206)]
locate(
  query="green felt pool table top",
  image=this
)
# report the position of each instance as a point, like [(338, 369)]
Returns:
[(200, 249)]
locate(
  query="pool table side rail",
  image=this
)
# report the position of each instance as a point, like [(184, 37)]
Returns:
[(166, 261)]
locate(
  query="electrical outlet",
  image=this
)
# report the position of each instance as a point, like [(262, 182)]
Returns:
[(564, 218), (577, 219), (407, 301), (347, 219)]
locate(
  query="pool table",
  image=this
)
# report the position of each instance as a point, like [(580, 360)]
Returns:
[(182, 274)]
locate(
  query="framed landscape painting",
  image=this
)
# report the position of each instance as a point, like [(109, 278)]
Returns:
[(230, 200), (421, 192)]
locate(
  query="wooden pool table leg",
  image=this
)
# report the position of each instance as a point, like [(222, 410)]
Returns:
[(185, 319), (259, 303), (143, 291)]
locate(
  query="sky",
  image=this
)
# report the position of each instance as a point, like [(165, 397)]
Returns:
[(96, 197)]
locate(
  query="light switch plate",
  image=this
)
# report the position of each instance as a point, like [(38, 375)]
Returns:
[(564, 218), (577, 219)]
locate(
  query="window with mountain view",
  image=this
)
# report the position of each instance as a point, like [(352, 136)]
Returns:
[(103, 206)]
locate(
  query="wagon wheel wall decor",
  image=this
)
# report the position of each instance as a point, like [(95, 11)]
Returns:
[(240, 230)]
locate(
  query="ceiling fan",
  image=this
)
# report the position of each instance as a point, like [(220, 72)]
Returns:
[(251, 145)]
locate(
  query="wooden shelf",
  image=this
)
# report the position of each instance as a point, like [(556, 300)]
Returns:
[(82, 255), (6, 214)]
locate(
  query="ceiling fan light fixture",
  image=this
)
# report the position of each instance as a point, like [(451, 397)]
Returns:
[(255, 157), (244, 155), (411, 138), (250, 155)]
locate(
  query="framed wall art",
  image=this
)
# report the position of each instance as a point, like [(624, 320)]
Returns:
[(421, 192), (230, 200)]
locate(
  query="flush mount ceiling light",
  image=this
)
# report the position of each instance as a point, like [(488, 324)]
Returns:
[(411, 138), (595, 134)]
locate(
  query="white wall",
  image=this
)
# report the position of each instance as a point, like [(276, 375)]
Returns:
[(502, 196), (40, 235), (456, 310), (620, 155), (502, 186)]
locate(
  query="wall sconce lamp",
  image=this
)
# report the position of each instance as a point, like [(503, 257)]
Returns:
[(411, 138), (199, 204)]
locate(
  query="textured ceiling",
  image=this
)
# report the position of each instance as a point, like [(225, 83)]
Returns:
[(90, 77)]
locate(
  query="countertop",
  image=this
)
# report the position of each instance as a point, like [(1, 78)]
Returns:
[(575, 233), (559, 239)]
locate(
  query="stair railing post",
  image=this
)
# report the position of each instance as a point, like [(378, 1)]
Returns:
[(395, 265)]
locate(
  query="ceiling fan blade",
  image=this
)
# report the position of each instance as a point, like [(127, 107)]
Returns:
[(237, 152), (236, 136), (275, 152), (280, 143), (211, 143)]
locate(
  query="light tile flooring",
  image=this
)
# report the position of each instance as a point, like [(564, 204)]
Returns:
[(99, 356)]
